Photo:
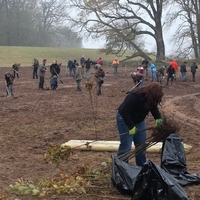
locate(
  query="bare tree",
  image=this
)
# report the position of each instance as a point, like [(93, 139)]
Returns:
[(121, 23), (35, 23), (187, 36)]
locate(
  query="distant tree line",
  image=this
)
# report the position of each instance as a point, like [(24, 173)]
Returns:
[(36, 23)]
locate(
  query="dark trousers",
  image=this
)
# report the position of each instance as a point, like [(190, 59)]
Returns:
[(16, 74), (193, 76), (41, 82), (170, 76), (35, 72), (99, 87)]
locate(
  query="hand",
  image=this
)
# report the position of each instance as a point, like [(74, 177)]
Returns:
[(172, 74), (133, 131), (163, 77), (159, 122)]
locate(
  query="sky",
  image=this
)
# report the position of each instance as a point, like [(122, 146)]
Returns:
[(150, 43)]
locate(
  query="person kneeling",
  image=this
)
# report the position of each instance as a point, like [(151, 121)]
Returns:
[(54, 82)]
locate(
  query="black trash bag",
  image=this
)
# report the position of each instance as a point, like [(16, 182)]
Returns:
[(153, 183), (173, 161), (123, 175), (149, 182)]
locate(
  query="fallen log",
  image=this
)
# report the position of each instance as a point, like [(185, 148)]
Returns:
[(92, 145)]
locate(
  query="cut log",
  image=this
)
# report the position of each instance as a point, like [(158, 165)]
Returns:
[(93, 145)]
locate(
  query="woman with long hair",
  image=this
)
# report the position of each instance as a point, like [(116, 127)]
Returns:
[(131, 116)]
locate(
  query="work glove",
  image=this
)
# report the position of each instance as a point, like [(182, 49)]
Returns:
[(133, 131), (159, 122)]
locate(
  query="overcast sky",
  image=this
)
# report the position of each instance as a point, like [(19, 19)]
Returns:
[(149, 43)]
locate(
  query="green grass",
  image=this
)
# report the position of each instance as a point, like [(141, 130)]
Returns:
[(24, 55)]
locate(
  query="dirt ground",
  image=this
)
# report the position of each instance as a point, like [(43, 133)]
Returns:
[(35, 119)]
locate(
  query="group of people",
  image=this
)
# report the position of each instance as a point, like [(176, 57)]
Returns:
[(9, 79), (157, 74), (131, 113)]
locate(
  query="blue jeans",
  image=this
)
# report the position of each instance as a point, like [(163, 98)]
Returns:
[(183, 76), (71, 72), (9, 90), (126, 139), (154, 77)]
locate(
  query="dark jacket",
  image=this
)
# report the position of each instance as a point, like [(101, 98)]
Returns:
[(9, 80), (88, 64), (82, 61), (100, 74), (145, 63), (194, 67), (170, 70), (54, 81), (70, 64), (54, 69), (15, 67), (35, 63), (183, 68), (161, 71), (133, 110)]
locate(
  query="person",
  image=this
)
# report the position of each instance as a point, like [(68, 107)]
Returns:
[(145, 64), (183, 71), (137, 77), (88, 64), (174, 64), (140, 70), (100, 61), (130, 118), (153, 72), (15, 68), (74, 67), (41, 73), (78, 76), (82, 62), (9, 79), (160, 73), (115, 64), (99, 75), (55, 68), (193, 70), (70, 67), (170, 74), (54, 82), (35, 68)]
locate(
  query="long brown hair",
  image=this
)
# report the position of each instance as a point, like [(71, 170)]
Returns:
[(152, 93)]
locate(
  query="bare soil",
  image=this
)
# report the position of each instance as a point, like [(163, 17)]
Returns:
[(34, 119)]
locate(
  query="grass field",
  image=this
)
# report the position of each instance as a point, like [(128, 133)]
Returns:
[(24, 55)]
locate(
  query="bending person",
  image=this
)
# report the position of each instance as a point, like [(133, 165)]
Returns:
[(131, 116)]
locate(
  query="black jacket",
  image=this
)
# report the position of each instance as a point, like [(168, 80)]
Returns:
[(55, 69), (193, 68), (133, 110), (161, 71), (183, 68), (170, 70), (88, 64), (9, 80)]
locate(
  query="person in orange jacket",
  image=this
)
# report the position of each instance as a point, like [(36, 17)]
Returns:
[(115, 64), (174, 64)]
